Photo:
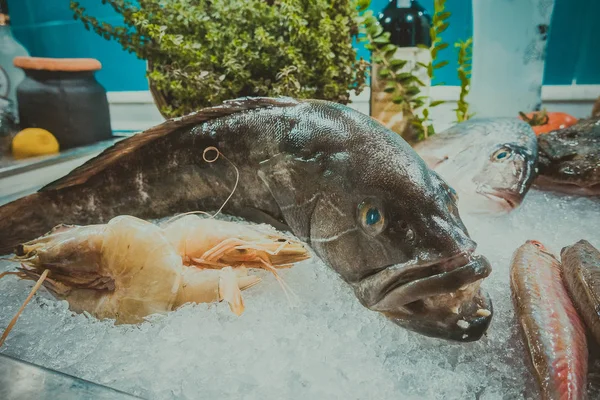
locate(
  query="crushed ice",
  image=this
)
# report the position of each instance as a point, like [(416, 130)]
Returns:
[(325, 346)]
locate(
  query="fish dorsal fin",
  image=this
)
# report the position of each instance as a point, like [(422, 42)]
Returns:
[(109, 156)]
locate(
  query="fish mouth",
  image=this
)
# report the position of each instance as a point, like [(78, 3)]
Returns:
[(441, 299), (507, 199)]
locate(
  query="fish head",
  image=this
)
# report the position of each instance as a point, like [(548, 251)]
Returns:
[(536, 247), (583, 250), (570, 159), (506, 176), (391, 228), (494, 163)]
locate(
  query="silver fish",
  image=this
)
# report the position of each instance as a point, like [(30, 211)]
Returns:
[(491, 162)]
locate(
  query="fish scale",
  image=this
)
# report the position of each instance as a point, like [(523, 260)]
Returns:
[(553, 331), (581, 274)]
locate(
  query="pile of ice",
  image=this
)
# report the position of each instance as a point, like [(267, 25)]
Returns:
[(327, 346)]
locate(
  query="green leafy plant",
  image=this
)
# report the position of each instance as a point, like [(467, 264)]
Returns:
[(465, 49), (438, 26), (404, 86), (201, 52)]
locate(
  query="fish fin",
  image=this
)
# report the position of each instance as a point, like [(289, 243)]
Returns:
[(261, 217), (294, 184), (81, 174)]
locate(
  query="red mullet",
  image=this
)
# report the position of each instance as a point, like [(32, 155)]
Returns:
[(551, 328)]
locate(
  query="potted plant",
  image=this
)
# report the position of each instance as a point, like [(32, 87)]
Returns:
[(203, 52)]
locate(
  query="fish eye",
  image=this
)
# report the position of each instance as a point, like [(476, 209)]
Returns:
[(537, 244), (502, 154), (371, 217)]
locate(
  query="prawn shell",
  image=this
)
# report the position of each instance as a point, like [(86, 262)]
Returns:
[(146, 269)]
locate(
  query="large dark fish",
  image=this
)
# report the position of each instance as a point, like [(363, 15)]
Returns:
[(569, 159), (490, 162), (552, 331), (353, 190), (581, 274)]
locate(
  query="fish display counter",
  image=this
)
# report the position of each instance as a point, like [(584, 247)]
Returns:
[(283, 248), (23, 176), (22, 380)]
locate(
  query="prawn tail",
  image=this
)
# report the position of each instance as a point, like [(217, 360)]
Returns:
[(25, 219)]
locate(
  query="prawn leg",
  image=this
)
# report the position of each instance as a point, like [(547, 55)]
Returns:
[(210, 258), (210, 285)]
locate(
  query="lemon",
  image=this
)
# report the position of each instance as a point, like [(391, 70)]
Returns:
[(32, 142)]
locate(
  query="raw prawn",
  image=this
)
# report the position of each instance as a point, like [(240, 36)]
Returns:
[(128, 268), (125, 270)]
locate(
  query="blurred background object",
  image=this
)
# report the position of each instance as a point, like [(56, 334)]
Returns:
[(198, 58), (8, 126), (47, 29), (408, 25), (509, 54), (63, 96), (10, 76)]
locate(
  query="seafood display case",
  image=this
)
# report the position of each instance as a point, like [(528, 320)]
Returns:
[(22, 380), (279, 246)]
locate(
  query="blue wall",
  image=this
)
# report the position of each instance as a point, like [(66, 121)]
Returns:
[(47, 29)]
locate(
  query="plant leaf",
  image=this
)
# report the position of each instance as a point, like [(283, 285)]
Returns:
[(441, 46), (396, 63), (363, 5), (384, 72), (381, 39), (442, 27), (440, 64)]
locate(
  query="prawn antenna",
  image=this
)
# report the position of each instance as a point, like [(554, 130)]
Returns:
[(13, 321), (212, 160), (2, 275), (287, 290)]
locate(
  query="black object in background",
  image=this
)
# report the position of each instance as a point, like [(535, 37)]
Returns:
[(64, 97), (8, 126), (408, 23)]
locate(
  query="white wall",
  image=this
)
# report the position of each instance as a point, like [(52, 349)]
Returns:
[(136, 110)]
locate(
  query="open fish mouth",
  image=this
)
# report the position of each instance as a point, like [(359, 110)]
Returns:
[(441, 299)]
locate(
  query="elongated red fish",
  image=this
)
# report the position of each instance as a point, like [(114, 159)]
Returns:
[(581, 275), (552, 330)]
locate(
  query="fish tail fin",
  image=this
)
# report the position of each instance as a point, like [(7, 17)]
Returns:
[(25, 219)]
